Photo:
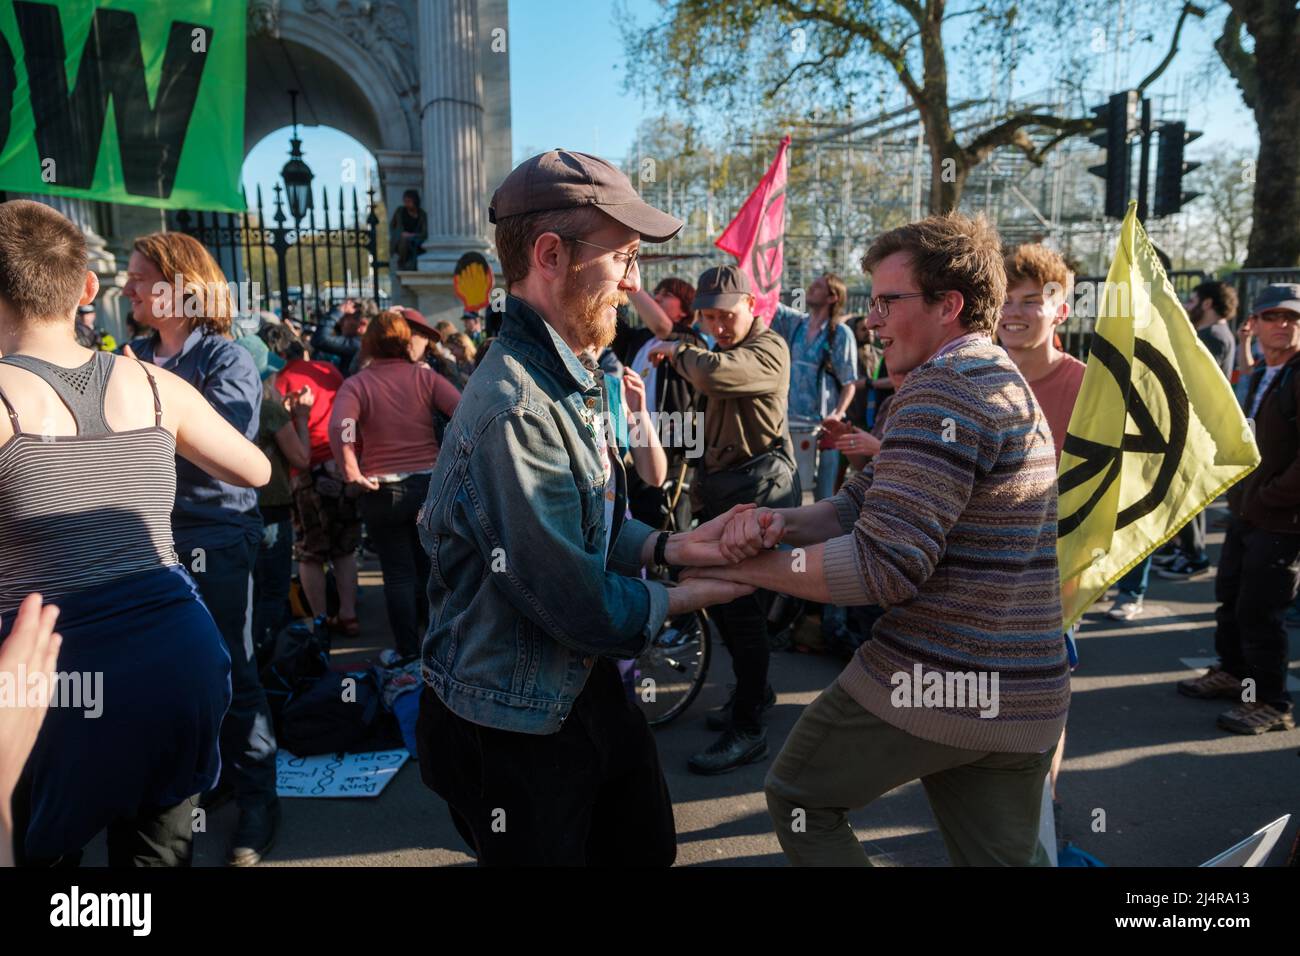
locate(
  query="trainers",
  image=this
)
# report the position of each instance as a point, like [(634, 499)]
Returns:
[(1184, 568), (254, 835), (1165, 557), (733, 749), (1126, 607), (1216, 682), (719, 718), (1257, 719)]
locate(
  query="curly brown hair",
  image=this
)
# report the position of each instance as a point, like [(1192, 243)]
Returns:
[(1040, 265), (951, 253)]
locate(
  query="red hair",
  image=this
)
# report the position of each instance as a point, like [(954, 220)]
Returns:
[(387, 336)]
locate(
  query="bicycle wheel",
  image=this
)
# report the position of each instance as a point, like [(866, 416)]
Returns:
[(671, 672)]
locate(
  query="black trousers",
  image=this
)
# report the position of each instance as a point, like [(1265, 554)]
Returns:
[(156, 836), (1258, 575), (247, 736), (389, 514), (591, 794), (743, 626)]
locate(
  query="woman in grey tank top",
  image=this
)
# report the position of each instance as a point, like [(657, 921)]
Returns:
[(87, 476)]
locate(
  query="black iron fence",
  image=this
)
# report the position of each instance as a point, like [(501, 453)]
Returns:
[(1250, 282), (298, 269)]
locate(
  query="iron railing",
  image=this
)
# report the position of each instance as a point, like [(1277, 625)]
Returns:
[(336, 259)]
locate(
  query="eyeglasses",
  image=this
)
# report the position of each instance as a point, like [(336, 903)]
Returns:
[(1278, 316), (880, 303), (630, 258)]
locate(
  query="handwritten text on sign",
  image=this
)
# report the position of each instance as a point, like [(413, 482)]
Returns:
[(337, 775)]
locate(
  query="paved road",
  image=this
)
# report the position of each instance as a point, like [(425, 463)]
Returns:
[(1174, 789)]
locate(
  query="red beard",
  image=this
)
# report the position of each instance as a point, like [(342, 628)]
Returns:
[(586, 310)]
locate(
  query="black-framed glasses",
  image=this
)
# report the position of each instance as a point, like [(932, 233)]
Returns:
[(631, 258), (880, 303)]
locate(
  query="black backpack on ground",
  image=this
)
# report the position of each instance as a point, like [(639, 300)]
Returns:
[(338, 713), (298, 657)]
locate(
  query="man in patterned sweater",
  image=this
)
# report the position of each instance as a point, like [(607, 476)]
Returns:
[(965, 684)]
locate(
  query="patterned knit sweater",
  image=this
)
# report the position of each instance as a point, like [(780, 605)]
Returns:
[(953, 531)]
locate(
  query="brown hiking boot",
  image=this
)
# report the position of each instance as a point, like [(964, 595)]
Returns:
[(1216, 682), (1256, 719)]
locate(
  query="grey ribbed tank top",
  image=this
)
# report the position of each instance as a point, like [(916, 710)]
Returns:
[(78, 511)]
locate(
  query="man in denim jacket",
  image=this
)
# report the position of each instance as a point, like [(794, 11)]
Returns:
[(535, 589)]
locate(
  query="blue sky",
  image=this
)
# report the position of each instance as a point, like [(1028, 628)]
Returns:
[(567, 89)]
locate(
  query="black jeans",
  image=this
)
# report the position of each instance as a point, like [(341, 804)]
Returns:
[(156, 836), (271, 577), (247, 737), (1258, 575), (591, 794), (743, 626), (389, 514)]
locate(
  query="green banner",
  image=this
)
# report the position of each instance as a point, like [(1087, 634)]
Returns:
[(130, 101)]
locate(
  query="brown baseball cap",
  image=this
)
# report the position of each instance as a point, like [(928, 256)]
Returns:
[(721, 288), (420, 323), (562, 179)]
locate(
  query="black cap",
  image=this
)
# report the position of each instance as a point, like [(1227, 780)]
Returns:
[(721, 287), (561, 179)]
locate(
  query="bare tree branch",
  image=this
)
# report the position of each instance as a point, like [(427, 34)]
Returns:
[(882, 48), (951, 16), (1239, 63), (1188, 8), (1041, 153), (914, 10), (803, 64), (1011, 132)]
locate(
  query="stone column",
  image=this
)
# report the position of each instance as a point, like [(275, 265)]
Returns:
[(451, 124)]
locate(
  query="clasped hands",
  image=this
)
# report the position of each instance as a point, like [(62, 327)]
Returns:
[(711, 551)]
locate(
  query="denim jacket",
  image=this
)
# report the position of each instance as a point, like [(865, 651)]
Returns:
[(522, 595)]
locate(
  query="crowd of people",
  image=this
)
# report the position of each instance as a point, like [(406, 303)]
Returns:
[(536, 525)]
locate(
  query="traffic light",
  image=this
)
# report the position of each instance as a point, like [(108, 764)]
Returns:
[(1117, 121), (1171, 168)]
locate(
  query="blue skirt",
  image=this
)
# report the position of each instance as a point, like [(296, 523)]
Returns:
[(164, 689)]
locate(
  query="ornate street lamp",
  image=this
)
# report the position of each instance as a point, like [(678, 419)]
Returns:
[(297, 175)]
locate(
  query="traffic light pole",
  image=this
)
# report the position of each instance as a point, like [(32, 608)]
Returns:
[(1144, 161), (1120, 127)]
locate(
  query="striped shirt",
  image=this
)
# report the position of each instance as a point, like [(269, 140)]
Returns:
[(953, 531), (78, 511)]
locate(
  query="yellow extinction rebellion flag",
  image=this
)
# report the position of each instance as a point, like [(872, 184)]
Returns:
[(1156, 433)]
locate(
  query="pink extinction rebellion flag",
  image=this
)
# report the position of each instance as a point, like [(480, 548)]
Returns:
[(756, 237)]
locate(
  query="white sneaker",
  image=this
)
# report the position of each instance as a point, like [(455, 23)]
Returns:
[(1126, 607)]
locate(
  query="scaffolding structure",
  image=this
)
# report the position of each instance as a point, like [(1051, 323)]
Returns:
[(850, 181)]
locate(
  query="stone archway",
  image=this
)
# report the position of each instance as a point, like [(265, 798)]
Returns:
[(424, 85), (356, 66)]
